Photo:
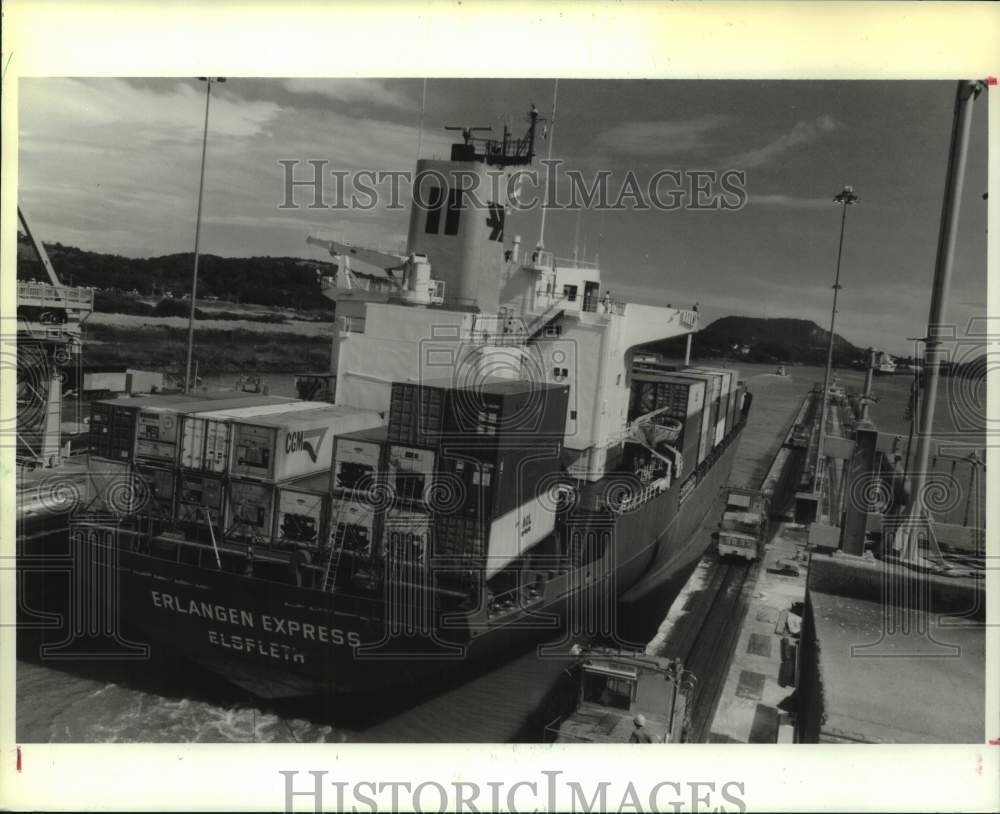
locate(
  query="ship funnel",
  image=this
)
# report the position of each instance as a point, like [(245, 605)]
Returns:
[(457, 221)]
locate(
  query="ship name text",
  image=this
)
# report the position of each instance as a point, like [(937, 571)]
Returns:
[(247, 619)]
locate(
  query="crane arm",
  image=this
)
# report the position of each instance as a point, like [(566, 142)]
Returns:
[(383, 260), (39, 248)]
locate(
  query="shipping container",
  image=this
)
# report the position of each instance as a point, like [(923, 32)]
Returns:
[(359, 459), (473, 482), (355, 524), (142, 381), (110, 381), (206, 437), (301, 510), (159, 419), (410, 471), (416, 413), (707, 429), (200, 499), (249, 510), (113, 487), (655, 391), (684, 398), (727, 394), (160, 485), (290, 445), (517, 531), (461, 538), (112, 428), (506, 411), (406, 537)]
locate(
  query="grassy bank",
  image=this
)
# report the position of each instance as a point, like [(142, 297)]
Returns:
[(164, 348)]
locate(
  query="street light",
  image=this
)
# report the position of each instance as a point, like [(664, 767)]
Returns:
[(208, 80), (845, 198)]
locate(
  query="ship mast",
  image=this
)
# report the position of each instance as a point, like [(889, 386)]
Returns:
[(550, 137)]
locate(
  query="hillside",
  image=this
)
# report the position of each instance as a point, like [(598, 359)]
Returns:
[(788, 341), (276, 281)]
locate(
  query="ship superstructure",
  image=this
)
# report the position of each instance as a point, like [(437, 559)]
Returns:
[(493, 468)]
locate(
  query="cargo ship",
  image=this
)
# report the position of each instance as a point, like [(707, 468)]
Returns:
[(482, 467)]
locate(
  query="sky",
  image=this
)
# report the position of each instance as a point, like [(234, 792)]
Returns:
[(112, 165)]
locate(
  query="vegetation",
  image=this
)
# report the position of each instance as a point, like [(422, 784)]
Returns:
[(780, 341), (288, 282), (164, 348)]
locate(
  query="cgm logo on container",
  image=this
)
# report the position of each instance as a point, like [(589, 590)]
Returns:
[(308, 440)]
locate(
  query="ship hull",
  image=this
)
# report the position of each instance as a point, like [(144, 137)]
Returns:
[(279, 641)]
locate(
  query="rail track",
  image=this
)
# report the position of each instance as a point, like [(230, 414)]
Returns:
[(705, 645)]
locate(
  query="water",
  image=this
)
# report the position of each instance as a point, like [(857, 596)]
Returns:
[(166, 700)]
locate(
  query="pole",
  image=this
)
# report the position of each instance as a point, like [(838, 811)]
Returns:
[(420, 130), (197, 239), (845, 198), (550, 137), (966, 92), (869, 375)]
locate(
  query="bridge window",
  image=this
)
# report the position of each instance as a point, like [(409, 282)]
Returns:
[(434, 200), (569, 292), (454, 211)]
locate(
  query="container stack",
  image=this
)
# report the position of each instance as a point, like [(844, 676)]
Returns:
[(685, 397), (719, 408), (460, 468), (242, 463)]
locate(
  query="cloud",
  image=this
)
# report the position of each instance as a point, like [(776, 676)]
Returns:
[(654, 138), (135, 114), (789, 201), (350, 91), (801, 133)]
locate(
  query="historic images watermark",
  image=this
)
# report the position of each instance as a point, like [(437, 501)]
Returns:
[(547, 791), (552, 188)]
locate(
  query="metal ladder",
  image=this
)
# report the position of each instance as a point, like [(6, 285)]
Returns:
[(336, 550)]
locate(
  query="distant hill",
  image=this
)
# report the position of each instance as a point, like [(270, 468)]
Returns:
[(752, 339), (289, 282)]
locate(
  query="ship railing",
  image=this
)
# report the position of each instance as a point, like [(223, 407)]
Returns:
[(643, 496), (572, 262), (541, 259), (590, 305), (29, 293)]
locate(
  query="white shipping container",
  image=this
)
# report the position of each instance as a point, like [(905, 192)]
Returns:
[(727, 405), (206, 436), (354, 524), (357, 462), (112, 381), (142, 381), (249, 509), (159, 421), (205, 443), (156, 434), (291, 445), (514, 533), (411, 470), (301, 511)]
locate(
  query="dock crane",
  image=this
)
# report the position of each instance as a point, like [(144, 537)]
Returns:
[(50, 317)]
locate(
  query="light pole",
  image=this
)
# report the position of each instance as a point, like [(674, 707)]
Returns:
[(845, 198), (208, 80)]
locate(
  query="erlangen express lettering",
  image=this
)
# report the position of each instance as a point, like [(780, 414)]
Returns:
[(248, 619)]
